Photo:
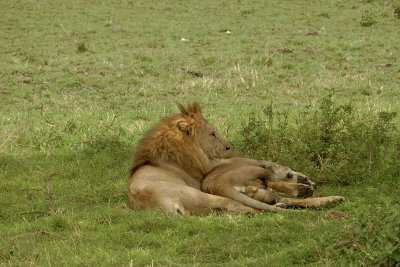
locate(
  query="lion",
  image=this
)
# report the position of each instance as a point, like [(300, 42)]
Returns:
[(170, 162), (255, 183), (172, 159)]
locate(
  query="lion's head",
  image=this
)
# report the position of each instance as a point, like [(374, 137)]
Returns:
[(186, 140), (282, 173)]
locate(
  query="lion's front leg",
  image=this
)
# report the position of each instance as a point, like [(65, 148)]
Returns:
[(291, 189)]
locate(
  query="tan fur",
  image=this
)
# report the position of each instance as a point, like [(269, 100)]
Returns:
[(170, 162), (172, 159), (175, 139), (254, 184)]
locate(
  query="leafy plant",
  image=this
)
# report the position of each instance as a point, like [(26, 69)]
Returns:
[(396, 9), (333, 143), (81, 47), (368, 18), (369, 240)]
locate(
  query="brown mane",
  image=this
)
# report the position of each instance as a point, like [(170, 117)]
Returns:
[(175, 140)]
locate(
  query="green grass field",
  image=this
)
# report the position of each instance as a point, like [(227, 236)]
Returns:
[(81, 82)]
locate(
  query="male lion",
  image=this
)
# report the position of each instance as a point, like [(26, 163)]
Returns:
[(172, 159), (170, 162)]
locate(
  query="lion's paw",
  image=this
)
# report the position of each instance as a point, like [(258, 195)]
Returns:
[(304, 191), (337, 199), (306, 181)]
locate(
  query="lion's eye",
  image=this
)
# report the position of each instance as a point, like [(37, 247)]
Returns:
[(213, 134), (289, 175)]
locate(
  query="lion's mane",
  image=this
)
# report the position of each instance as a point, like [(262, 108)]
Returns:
[(175, 140)]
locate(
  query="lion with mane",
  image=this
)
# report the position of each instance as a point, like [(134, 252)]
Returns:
[(174, 157), (170, 162)]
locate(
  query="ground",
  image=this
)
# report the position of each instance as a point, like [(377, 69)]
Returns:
[(81, 81)]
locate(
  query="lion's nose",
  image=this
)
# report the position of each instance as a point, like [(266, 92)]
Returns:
[(228, 147)]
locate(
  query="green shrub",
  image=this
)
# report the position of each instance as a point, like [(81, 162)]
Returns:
[(396, 9), (333, 144), (81, 47), (368, 18), (372, 240)]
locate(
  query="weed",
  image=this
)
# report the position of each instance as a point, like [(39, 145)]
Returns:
[(325, 15), (59, 223), (396, 8), (368, 18), (81, 47), (333, 142), (247, 12), (369, 240)]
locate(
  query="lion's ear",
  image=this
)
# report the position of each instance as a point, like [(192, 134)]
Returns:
[(186, 127), (191, 108)]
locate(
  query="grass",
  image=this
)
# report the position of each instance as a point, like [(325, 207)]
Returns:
[(80, 82)]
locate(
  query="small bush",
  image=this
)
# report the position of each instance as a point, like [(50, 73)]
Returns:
[(368, 18), (396, 9), (372, 240), (81, 47), (333, 144)]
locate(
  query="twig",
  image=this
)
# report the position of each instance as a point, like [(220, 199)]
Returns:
[(26, 234), (34, 212), (111, 124), (23, 218), (67, 33), (320, 162), (42, 213), (27, 190), (44, 117), (84, 142), (52, 206), (227, 131)]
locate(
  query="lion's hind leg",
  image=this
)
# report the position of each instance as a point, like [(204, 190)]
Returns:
[(313, 202), (202, 203), (185, 200), (269, 196)]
